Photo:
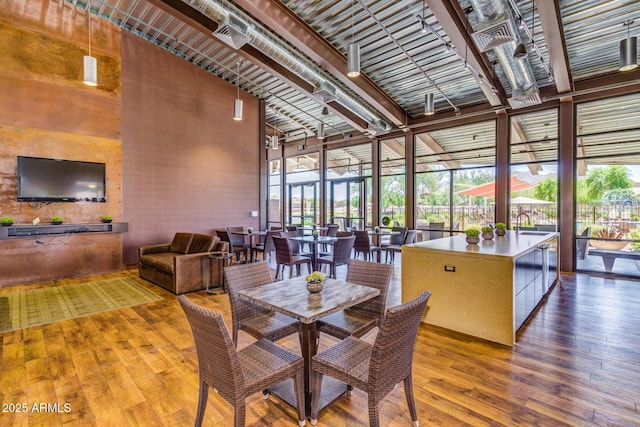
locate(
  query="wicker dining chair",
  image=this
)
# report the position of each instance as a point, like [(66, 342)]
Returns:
[(409, 237), (361, 318), (225, 236), (235, 375), (266, 246), (254, 320), (285, 257), (363, 245), (375, 369), (340, 256)]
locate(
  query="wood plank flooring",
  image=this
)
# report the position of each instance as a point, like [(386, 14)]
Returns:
[(577, 362)]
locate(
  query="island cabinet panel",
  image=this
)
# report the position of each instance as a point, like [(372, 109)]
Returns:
[(486, 290)]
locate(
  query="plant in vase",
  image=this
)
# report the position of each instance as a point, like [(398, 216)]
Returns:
[(6, 221), (315, 281), (106, 218), (56, 220), (501, 229), (609, 233), (473, 233), (487, 232)]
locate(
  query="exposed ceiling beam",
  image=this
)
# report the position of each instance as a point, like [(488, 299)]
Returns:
[(280, 19), (551, 20), (520, 136), (203, 23), (453, 20)]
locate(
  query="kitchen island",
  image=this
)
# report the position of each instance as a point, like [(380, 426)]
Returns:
[(486, 290)]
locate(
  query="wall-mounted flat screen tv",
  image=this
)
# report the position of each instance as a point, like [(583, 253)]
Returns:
[(53, 180)]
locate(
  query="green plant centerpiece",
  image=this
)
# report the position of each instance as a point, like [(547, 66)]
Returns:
[(315, 281), (6, 221), (106, 218), (473, 233), (487, 232), (501, 229), (56, 220)]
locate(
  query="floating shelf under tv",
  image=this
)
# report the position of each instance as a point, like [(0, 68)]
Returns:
[(17, 231)]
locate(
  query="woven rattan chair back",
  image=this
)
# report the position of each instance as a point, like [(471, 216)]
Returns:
[(397, 239), (410, 237), (362, 243), (344, 233), (375, 275), (240, 277), (342, 250), (392, 353), (284, 253), (332, 230)]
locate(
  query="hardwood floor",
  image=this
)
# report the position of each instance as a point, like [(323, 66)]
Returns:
[(577, 362)]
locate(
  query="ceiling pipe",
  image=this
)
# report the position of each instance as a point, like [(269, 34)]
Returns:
[(519, 73), (238, 28)]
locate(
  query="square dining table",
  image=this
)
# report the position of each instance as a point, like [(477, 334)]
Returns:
[(314, 242), (291, 298)]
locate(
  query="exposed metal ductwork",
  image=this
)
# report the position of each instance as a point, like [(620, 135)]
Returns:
[(498, 31), (237, 29)]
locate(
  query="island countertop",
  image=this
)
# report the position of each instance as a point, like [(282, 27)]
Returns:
[(512, 245)]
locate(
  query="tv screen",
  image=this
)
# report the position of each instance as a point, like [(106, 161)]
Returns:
[(53, 180)]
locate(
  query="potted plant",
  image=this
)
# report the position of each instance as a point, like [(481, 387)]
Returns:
[(473, 233), (610, 233), (501, 229), (6, 221), (487, 232), (106, 218), (315, 281), (56, 220)]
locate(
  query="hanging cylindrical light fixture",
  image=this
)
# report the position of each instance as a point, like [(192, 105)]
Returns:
[(89, 63), (274, 142), (237, 110), (353, 51), (320, 130), (628, 51), (429, 104)]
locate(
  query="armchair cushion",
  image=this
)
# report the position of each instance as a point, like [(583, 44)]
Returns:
[(202, 243)]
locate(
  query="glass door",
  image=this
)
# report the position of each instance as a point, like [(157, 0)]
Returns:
[(349, 203), (303, 203)]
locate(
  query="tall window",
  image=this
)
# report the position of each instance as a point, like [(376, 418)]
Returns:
[(302, 185), (455, 174), (534, 176), (392, 182), (274, 214), (349, 193), (608, 186)]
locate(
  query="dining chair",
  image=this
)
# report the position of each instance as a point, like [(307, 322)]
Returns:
[(254, 320), (375, 368), (340, 256), (332, 231), (225, 236), (436, 230), (235, 375), (395, 238), (363, 317), (408, 238), (344, 233), (363, 245), (238, 241), (285, 257), (266, 246), (582, 245)]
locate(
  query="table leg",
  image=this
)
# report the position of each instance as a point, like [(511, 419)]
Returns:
[(309, 349), (314, 255), (608, 262)]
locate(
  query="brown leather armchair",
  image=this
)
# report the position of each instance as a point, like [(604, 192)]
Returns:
[(180, 266)]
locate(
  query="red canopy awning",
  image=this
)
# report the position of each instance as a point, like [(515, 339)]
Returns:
[(489, 189)]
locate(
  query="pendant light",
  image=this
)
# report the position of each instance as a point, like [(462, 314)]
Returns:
[(320, 130), (90, 64), (237, 110), (628, 50), (274, 142), (353, 50), (520, 52), (429, 104)]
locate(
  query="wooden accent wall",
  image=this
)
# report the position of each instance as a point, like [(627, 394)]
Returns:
[(46, 111), (187, 165)]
